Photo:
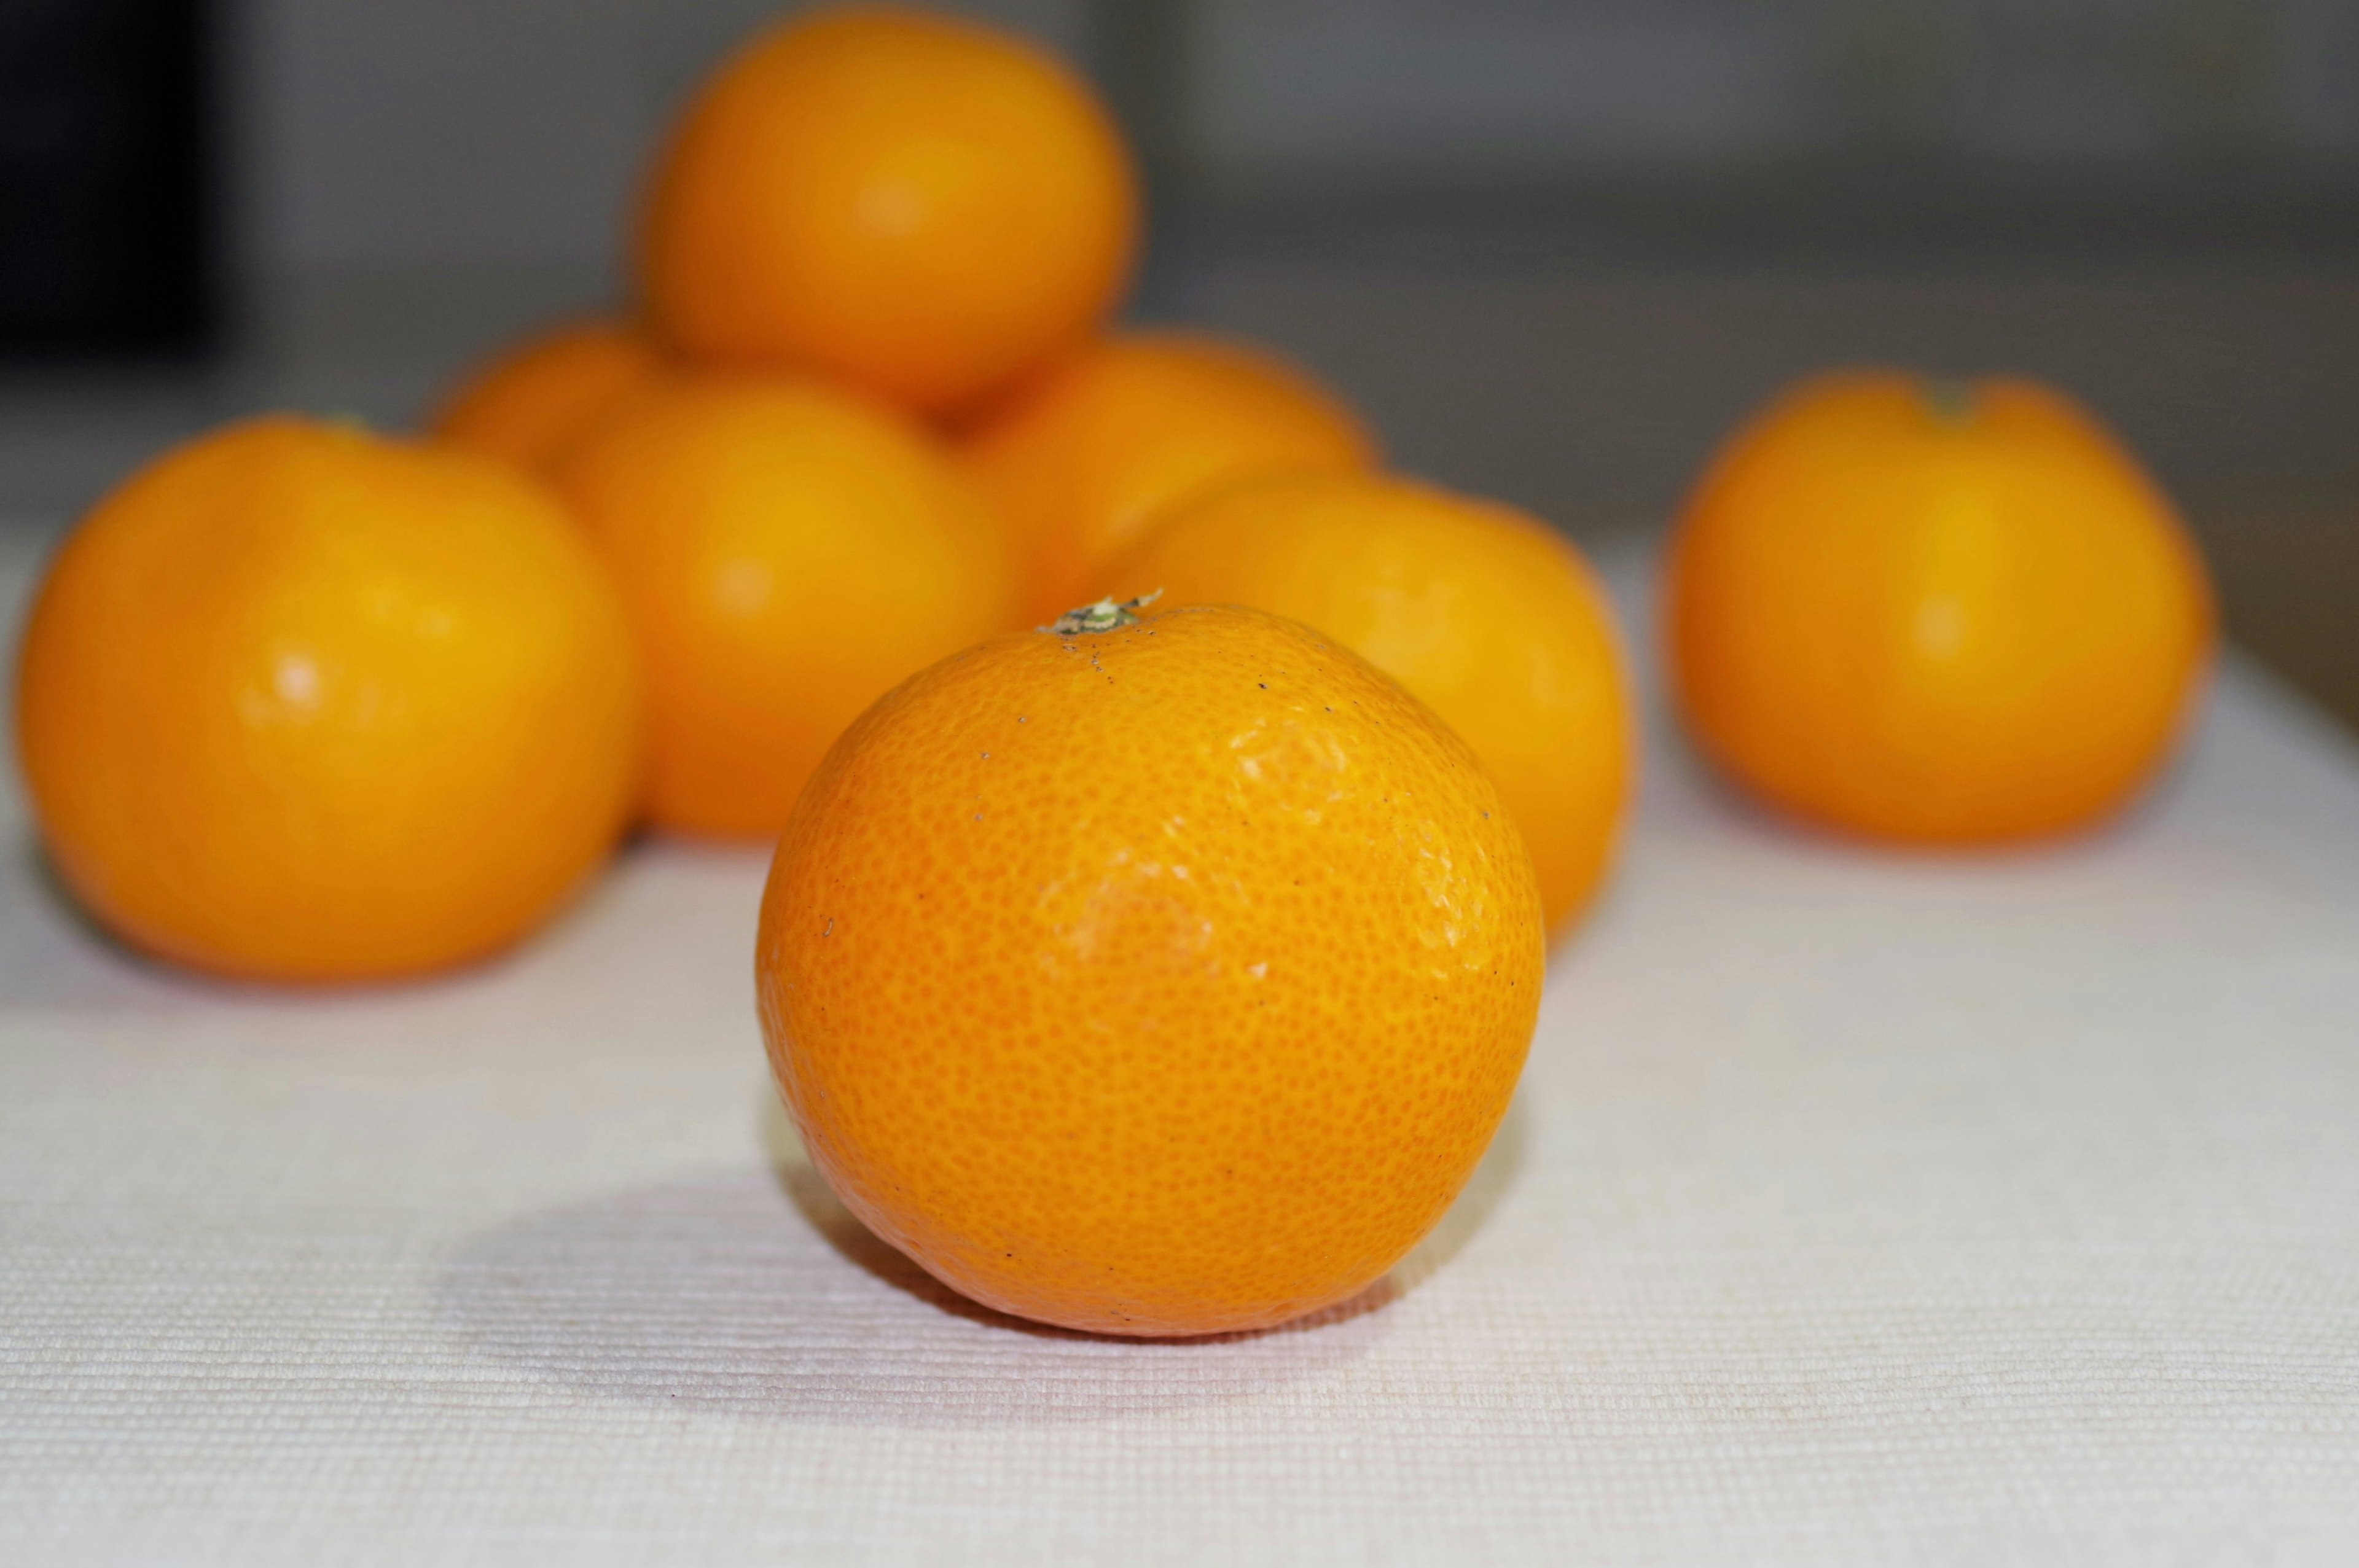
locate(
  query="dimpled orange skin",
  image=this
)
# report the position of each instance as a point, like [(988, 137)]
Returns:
[(527, 401), (1164, 981), (1935, 613), (296, 703), (1487, 615), (914, 204), (787, 552), (1081, 463)]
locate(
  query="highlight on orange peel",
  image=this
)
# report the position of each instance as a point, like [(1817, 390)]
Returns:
[(1935, 611), (299, 703), (787, 552), (1150, 976), (904, 200), (525, 402), (1487, 615), (1084, 460)]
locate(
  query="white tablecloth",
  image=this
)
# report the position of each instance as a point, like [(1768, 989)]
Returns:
[(1857, 1208)]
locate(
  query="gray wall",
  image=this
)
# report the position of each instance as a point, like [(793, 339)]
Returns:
[(399, 135), (1574, 87)]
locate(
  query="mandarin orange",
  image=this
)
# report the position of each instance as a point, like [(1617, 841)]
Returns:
[(1083, 461), (1487, 615), (1935, 611), (1163, 979), (300, 703), (911, 203), (525, 403), (786, 552)]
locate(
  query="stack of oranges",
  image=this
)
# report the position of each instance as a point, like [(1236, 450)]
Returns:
[(1173, 808), (868, 411)]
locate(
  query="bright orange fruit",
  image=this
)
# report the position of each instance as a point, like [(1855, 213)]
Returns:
[(1083, 462), (525, 402), (299, 703), (1935, 611), (1164, 980), (912, 203), (787, 552), (1487, 615)]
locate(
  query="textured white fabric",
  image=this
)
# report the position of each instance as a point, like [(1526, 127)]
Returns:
[(1857, 1209)]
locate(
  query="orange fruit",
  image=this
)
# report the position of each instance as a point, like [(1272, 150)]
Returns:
[(1487, 615), (300, 703), (911, 203), (1935, 611), (787, 552), (1083, 461), (1168, 979), (525, 402)]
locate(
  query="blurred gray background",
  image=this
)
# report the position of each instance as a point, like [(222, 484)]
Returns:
[(1554, 246)]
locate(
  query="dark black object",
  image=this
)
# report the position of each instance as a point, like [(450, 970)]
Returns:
[(107, 178)]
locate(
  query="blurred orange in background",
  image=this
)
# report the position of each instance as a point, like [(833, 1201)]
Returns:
[(1933, 611), (1082, 462), (525, 401), (299, 703), (916, 205), (786, 552), (1485, 613)]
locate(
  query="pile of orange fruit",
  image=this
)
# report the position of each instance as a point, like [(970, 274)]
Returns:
[(1172, 807)]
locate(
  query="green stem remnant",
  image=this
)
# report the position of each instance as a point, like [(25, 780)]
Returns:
[(1951, 398), (1105, 615)]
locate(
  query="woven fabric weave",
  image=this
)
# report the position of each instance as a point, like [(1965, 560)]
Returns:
[(1857, 1208)]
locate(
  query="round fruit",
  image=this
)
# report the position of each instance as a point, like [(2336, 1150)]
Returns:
[(1935, 611), (914, 204), (787, 554), (526, 401), (299, 703), (1163, 978), (1083, 462), (1487, 615)]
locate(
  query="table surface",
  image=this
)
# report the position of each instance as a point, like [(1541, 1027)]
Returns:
[(1857, 1208)]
